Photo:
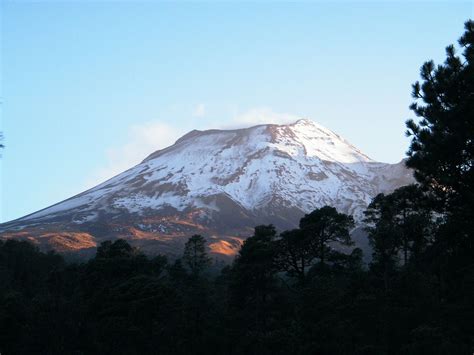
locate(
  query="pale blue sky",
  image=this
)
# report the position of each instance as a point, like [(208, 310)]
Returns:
[(89, 88)]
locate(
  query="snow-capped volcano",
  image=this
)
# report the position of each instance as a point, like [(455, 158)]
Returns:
[(220, 183)]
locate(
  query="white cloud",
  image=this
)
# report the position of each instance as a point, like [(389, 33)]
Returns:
[(260, 115), (143, 140), (199, 110)]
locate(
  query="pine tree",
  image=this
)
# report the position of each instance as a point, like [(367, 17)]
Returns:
[(412, 215), (384, 236), (442, 146), (253, 277), (324, 226), (195, 256), (294, 255), (399, 223)]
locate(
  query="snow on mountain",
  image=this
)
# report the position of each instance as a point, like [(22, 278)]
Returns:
[(222, 183)]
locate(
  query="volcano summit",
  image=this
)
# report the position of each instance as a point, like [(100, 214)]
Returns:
[(218, 183)]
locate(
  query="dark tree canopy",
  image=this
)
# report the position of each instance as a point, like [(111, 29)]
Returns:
[(442, 146), (117, 249), (294, 254), (195, 255), (399, 222), (256, 257), (323, 226)]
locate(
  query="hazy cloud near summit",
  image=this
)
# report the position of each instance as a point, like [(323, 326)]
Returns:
[(199, 110), (260, 115), (143, 139), (146, 138)]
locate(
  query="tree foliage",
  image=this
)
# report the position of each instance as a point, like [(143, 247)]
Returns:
[(324, 226), (442, 146), (195, 256)]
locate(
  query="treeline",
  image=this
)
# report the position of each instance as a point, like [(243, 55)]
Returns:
[(287, 293)]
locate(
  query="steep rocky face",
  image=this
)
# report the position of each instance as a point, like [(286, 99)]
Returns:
[(219, 184)]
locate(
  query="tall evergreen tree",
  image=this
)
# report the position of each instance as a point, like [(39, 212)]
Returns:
[(324, 226), (294, 255), (195, 256), (399, 223), (413, 218), (442, 154), (384, 236), (253, 277), (442, 146)]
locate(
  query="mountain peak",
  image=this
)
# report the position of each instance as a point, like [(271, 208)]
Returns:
[(299, 129), (222, 183), (304, 121)]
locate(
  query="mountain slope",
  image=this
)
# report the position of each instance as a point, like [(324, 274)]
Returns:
[(220, 183)]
